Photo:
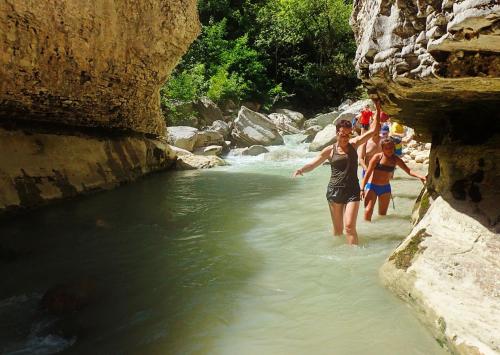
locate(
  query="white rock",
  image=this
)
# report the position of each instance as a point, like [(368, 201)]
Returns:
[(254, 150), (251, 128), (284, 123), (326, 118), (210, 150), (447, 269), (208, 137), (188, 162), (422, 156), (182, 136), (324, 138), (428, 146), (295, 119)]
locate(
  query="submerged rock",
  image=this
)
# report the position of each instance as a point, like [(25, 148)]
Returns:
[(255, 150), (190, 162)]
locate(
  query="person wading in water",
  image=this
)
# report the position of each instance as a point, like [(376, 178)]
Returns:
[(343, 193), (379, 174)]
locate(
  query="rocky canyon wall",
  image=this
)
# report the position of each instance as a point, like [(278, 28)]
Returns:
[(436, 66), (79, 93)]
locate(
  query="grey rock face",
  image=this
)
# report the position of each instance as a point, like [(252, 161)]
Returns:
[(253, 128), (324, 138), (427, 57), (208, 111)]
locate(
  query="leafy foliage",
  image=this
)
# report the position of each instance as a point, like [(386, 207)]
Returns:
[(272, 51)]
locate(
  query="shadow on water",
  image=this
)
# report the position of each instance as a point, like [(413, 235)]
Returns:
[(166, 255)]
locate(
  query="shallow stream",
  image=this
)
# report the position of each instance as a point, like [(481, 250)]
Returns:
[(233, 260)]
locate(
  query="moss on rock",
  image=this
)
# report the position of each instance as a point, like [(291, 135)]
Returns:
[(403, 258)]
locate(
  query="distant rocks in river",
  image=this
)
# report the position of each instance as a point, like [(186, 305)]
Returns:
[(253, 131), (254, 150), (253, 128)]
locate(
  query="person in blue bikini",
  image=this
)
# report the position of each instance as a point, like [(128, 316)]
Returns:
[(376, 182)]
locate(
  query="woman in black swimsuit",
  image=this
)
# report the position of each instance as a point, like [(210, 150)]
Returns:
[(343, 193), (379, 174)]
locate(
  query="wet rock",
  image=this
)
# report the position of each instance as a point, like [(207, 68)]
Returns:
[(210, 150), (254, 150), (190, 162), (69, 297), (311, 133)]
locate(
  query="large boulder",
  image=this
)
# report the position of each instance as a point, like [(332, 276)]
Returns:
[(208, 137), (254, 150), (79, 89), (253, 128), (447, 269), (183, 137), (92, 65), (190, 162), (221, 127), (209, 150), (208, 111), (294, 118), (311, 132), (324, 138), (425, 58), (325, 119), (284, 123)]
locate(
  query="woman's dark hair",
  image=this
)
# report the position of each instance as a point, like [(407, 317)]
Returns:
[(343, 124), (386, 141)]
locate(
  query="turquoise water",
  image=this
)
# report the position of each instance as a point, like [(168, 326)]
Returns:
[(233, 260)]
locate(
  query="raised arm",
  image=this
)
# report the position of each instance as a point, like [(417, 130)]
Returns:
[(313, 164), (374, 128), (362, 156), (402, 165)]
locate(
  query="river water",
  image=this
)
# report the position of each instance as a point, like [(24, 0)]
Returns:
[(232, 260)]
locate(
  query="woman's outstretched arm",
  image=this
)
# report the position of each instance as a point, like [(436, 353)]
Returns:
[(313, 164), (402, 165)]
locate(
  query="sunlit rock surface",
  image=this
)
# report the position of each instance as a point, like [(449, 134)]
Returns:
[(431, 61), (85, 74), (436, 67)]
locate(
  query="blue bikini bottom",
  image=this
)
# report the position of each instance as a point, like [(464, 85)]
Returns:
[(378, 189)]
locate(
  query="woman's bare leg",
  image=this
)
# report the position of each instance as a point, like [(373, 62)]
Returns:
[(337, 214), (350, 217), (370, 200), (383, 203)]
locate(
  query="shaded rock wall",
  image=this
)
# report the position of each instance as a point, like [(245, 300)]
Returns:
[(39, 167), (430, 60), (83, 77), (91, 63), (436, 66)]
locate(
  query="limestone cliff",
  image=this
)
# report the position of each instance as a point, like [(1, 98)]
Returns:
[(436, 66), (79, 92)]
